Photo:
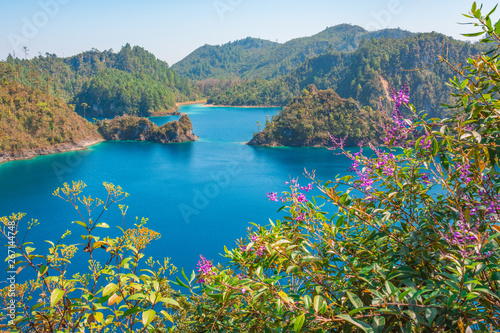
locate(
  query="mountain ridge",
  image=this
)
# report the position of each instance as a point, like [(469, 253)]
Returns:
[(211, 61)]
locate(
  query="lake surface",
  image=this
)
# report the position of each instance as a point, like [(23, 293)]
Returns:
[(199, 195)]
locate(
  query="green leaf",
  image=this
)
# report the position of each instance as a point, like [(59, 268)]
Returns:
[(430, 314), (56, 296), (486, 291), (131, 311), (364, 326), (474, 34), (147, 317), (102, 225), (355, 300), (181, 283), (318, 301), (299, 322), (167, 315), (42, 270), (110, 288), (171, 301), (193, 276), (434, 147), (99, 316), (80, 223), (307, 301)]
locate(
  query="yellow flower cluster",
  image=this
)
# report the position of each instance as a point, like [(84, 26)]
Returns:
[(140, 237)]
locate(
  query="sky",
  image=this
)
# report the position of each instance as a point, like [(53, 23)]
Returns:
[(173, 29)]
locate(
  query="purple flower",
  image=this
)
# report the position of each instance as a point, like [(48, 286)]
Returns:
[(337, 143), (204, 268), (255, 238), (464, 172), (402, 96), (426, 179), (301, 198), (467, 240), (243, 290), (260, 251), (273, 196), (307, 188), (300, 217)]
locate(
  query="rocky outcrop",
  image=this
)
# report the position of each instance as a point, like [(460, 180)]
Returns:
[(142, 129)]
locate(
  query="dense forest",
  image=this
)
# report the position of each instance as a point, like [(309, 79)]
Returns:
[(132, 81), (309, 118), (367, 73), (32, 119), (256, 58)]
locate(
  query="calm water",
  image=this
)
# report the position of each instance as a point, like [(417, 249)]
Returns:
[(200, 196)]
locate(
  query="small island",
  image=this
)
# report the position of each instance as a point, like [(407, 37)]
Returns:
[(143, 129), (308, 120)]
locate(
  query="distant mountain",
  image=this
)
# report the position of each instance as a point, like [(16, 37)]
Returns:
[(367, 73), (309, 118), (256, 58), (132, 81)]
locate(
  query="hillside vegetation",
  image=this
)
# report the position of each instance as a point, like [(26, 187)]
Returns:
[(256, 58), (367, 73), (106, 84), (31, 119), (308, 120)]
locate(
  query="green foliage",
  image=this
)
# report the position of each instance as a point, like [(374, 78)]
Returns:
[(252, 58), (378, 64), (131, 81), (253, 93), (32, 119), (309, 120), (367, 73), (120, 291), (113, 92)]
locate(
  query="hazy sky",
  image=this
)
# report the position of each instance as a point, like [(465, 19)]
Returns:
[(172, 29)]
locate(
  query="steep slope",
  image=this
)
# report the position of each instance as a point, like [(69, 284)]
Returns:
[(367, 73), (255, 58), (308, 119), (35, 123)]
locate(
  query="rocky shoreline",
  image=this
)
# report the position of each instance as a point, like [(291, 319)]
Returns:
[(59, 148)]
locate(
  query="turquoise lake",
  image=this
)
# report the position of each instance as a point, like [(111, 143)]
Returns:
[(199, 195)]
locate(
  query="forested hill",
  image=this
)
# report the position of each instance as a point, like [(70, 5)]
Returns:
[(256, 58), (32, 121), (367, 73), (105, 83), (309, 118)]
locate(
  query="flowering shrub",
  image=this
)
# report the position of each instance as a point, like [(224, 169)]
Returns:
[(412, 244), (119, 292)]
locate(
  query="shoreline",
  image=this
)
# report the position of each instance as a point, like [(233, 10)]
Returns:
[(56, 149), (174, 111), (201, 101)]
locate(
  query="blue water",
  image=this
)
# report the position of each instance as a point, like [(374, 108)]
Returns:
[(199, 195)]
